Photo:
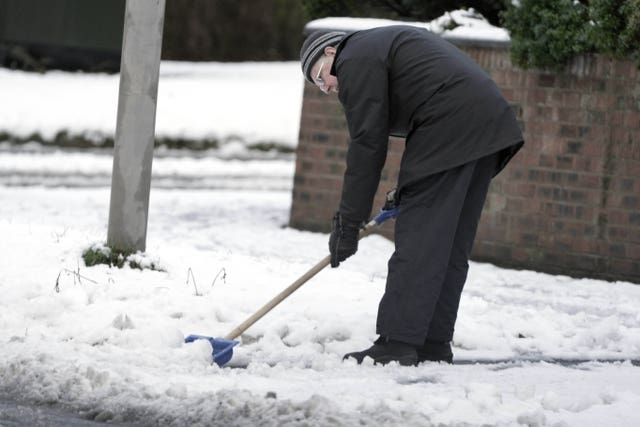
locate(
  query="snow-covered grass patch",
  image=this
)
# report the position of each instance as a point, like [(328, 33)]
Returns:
[(99, 253)]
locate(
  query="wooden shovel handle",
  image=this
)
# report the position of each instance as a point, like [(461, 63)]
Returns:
[(278, 299), (290, 289)]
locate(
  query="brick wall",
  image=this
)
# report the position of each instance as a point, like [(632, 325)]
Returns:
[(569, 202)]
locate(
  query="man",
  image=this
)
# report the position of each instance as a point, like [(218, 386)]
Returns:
[(460, 132)]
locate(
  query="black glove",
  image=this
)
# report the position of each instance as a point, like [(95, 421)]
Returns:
[(344, 239)]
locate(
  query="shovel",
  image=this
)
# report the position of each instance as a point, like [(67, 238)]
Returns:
[(223, 347)]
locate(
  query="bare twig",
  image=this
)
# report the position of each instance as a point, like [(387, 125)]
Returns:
[(224, 276), (57, 286), (76, 276), (190, 273)]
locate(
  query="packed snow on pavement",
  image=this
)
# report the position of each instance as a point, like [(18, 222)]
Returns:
[(108, 343)]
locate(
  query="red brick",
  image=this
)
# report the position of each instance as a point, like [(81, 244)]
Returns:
[(633, 251), (626, 269), (632, 118), (572, 115), (586, 164)]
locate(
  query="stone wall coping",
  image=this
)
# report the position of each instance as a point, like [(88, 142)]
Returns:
[(471, 30)]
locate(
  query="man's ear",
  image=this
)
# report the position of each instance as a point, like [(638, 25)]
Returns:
[(330, 50)]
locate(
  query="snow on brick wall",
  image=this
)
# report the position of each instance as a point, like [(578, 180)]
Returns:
[(568, 203)]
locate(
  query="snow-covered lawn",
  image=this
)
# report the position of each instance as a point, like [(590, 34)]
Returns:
[(237, 104), (109, 342)]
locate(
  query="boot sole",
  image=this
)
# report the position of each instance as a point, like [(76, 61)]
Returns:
[(405, 361), (421, 360)]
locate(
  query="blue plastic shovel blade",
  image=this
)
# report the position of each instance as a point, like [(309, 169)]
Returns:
[(385, 214), (222, 349)]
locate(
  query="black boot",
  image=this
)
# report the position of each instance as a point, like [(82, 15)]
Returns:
[(385, 351), (435, 351)]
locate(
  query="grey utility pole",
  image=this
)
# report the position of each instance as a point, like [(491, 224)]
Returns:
[(135, 128)]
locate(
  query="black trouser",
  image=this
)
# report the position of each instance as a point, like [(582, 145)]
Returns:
[(434, 233)]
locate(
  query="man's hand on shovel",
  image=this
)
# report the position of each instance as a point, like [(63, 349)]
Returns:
[(345, 234), (343, 241)]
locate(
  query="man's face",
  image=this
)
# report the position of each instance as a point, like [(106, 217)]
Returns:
[(321, 72)]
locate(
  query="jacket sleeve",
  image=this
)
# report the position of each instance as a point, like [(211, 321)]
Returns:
[(363, 92)]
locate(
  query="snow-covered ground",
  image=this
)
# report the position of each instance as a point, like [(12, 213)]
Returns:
[(108, 343)]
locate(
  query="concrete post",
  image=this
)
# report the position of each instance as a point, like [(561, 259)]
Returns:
[(135, 128)]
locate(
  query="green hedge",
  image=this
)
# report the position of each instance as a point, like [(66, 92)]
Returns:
[(233, 30), (548, 33)]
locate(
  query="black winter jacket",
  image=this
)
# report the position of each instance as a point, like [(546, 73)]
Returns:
[(405, 81)]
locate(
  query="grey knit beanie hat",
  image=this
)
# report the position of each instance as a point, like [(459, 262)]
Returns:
[(313, 48)]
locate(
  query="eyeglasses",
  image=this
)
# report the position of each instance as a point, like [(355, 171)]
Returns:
[(318, 79)]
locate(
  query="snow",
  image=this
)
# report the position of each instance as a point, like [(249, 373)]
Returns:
[(246, 102), (108, 343)]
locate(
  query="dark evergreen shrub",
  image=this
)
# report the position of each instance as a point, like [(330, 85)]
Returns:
[(615, 27), (547, 33)]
